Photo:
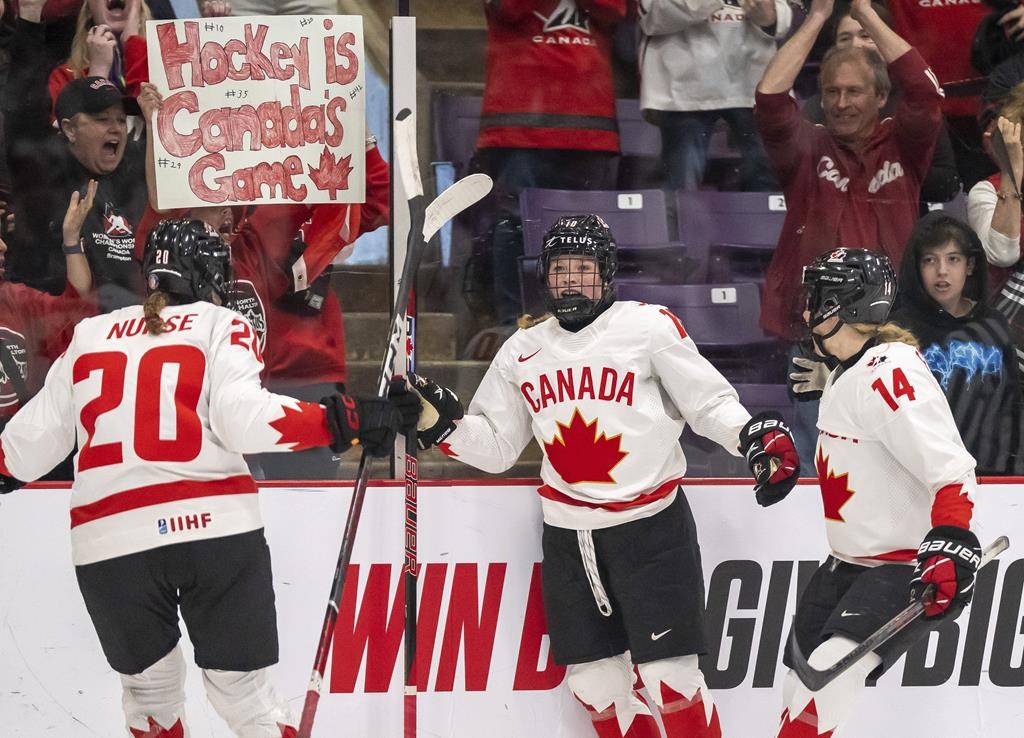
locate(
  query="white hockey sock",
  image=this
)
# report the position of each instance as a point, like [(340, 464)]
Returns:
[(155, 698), (248, 702)]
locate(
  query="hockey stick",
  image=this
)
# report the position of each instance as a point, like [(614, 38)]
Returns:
[(469, 191), (816, 679), (408, 168)]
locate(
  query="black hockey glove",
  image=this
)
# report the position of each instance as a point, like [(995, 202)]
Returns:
[(407, 402), (771, 455), (441, 408), (372, 422), (948, 560), (9, 484)]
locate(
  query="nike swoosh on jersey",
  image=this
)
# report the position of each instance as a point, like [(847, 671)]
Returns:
[(656, 636), (527, 358), (847, 614)]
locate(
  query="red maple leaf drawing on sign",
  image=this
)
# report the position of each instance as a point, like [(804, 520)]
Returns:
[(302, 428), (835, 491), (578, 454), (332, 174)]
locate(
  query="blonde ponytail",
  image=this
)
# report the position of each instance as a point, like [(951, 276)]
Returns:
[(151, 308), (528, 321), (886, 333)]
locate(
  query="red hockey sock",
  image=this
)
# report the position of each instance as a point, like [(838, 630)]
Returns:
[(156, 730), (804, 726), (287, 731), (685, 718), (606, 724)]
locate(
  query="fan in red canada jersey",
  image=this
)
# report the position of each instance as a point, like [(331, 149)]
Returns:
[(896, 484), (606, 388), (163, 399)]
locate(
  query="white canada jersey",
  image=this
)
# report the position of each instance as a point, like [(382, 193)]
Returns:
[(161, 424), (607, 406), (887, 448)]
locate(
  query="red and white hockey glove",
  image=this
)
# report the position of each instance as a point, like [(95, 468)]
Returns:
[(948, 559), (768, 446), (441, 408)]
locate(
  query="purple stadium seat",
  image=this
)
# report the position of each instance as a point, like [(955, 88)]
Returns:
[(456, 125), (640, 226), (740, 229), (714, 315), (635, 218), (637, 137), (706, 458), (723, 320)]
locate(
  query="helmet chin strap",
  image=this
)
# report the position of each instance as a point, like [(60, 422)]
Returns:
[(819, 340)]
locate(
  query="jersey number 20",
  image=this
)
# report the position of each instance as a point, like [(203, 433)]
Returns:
[(149, 446)]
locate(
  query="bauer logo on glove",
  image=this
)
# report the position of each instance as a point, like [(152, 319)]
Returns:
[(768, 446)]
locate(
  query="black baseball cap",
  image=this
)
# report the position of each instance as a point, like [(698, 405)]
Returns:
[(91, 95)]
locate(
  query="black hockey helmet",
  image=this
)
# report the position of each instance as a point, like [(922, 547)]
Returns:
[(578, 235), (188, 260), (857, 285)]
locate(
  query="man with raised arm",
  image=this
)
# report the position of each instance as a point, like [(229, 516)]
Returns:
[(856, 180)]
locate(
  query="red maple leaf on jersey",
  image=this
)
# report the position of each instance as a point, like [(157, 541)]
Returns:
[(835, 491), (332, 175), (302, 428), (578, 454)]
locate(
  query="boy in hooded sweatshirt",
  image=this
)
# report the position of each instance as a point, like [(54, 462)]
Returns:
[(965, 342)]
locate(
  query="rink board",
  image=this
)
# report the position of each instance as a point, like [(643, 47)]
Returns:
[(481, 624)]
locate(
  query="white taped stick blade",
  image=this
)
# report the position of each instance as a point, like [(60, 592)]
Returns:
[(459, 197)]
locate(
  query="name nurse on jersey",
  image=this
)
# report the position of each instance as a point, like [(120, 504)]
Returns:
[(585, 383)]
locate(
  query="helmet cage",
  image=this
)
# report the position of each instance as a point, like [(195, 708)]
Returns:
[(580, 236)]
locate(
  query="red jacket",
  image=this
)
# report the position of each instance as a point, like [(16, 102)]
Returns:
[(36, 328), (836, 197), (310, 349), (549, 78), (943, 32)]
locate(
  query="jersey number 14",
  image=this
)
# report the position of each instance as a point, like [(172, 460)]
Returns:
[(900, 388)]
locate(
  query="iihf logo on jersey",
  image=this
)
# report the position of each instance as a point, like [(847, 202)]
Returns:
[(566, 17), (179, 523)]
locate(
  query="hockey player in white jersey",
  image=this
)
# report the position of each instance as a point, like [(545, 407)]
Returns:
[(163, 399), (606, 388), (896, 485)]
